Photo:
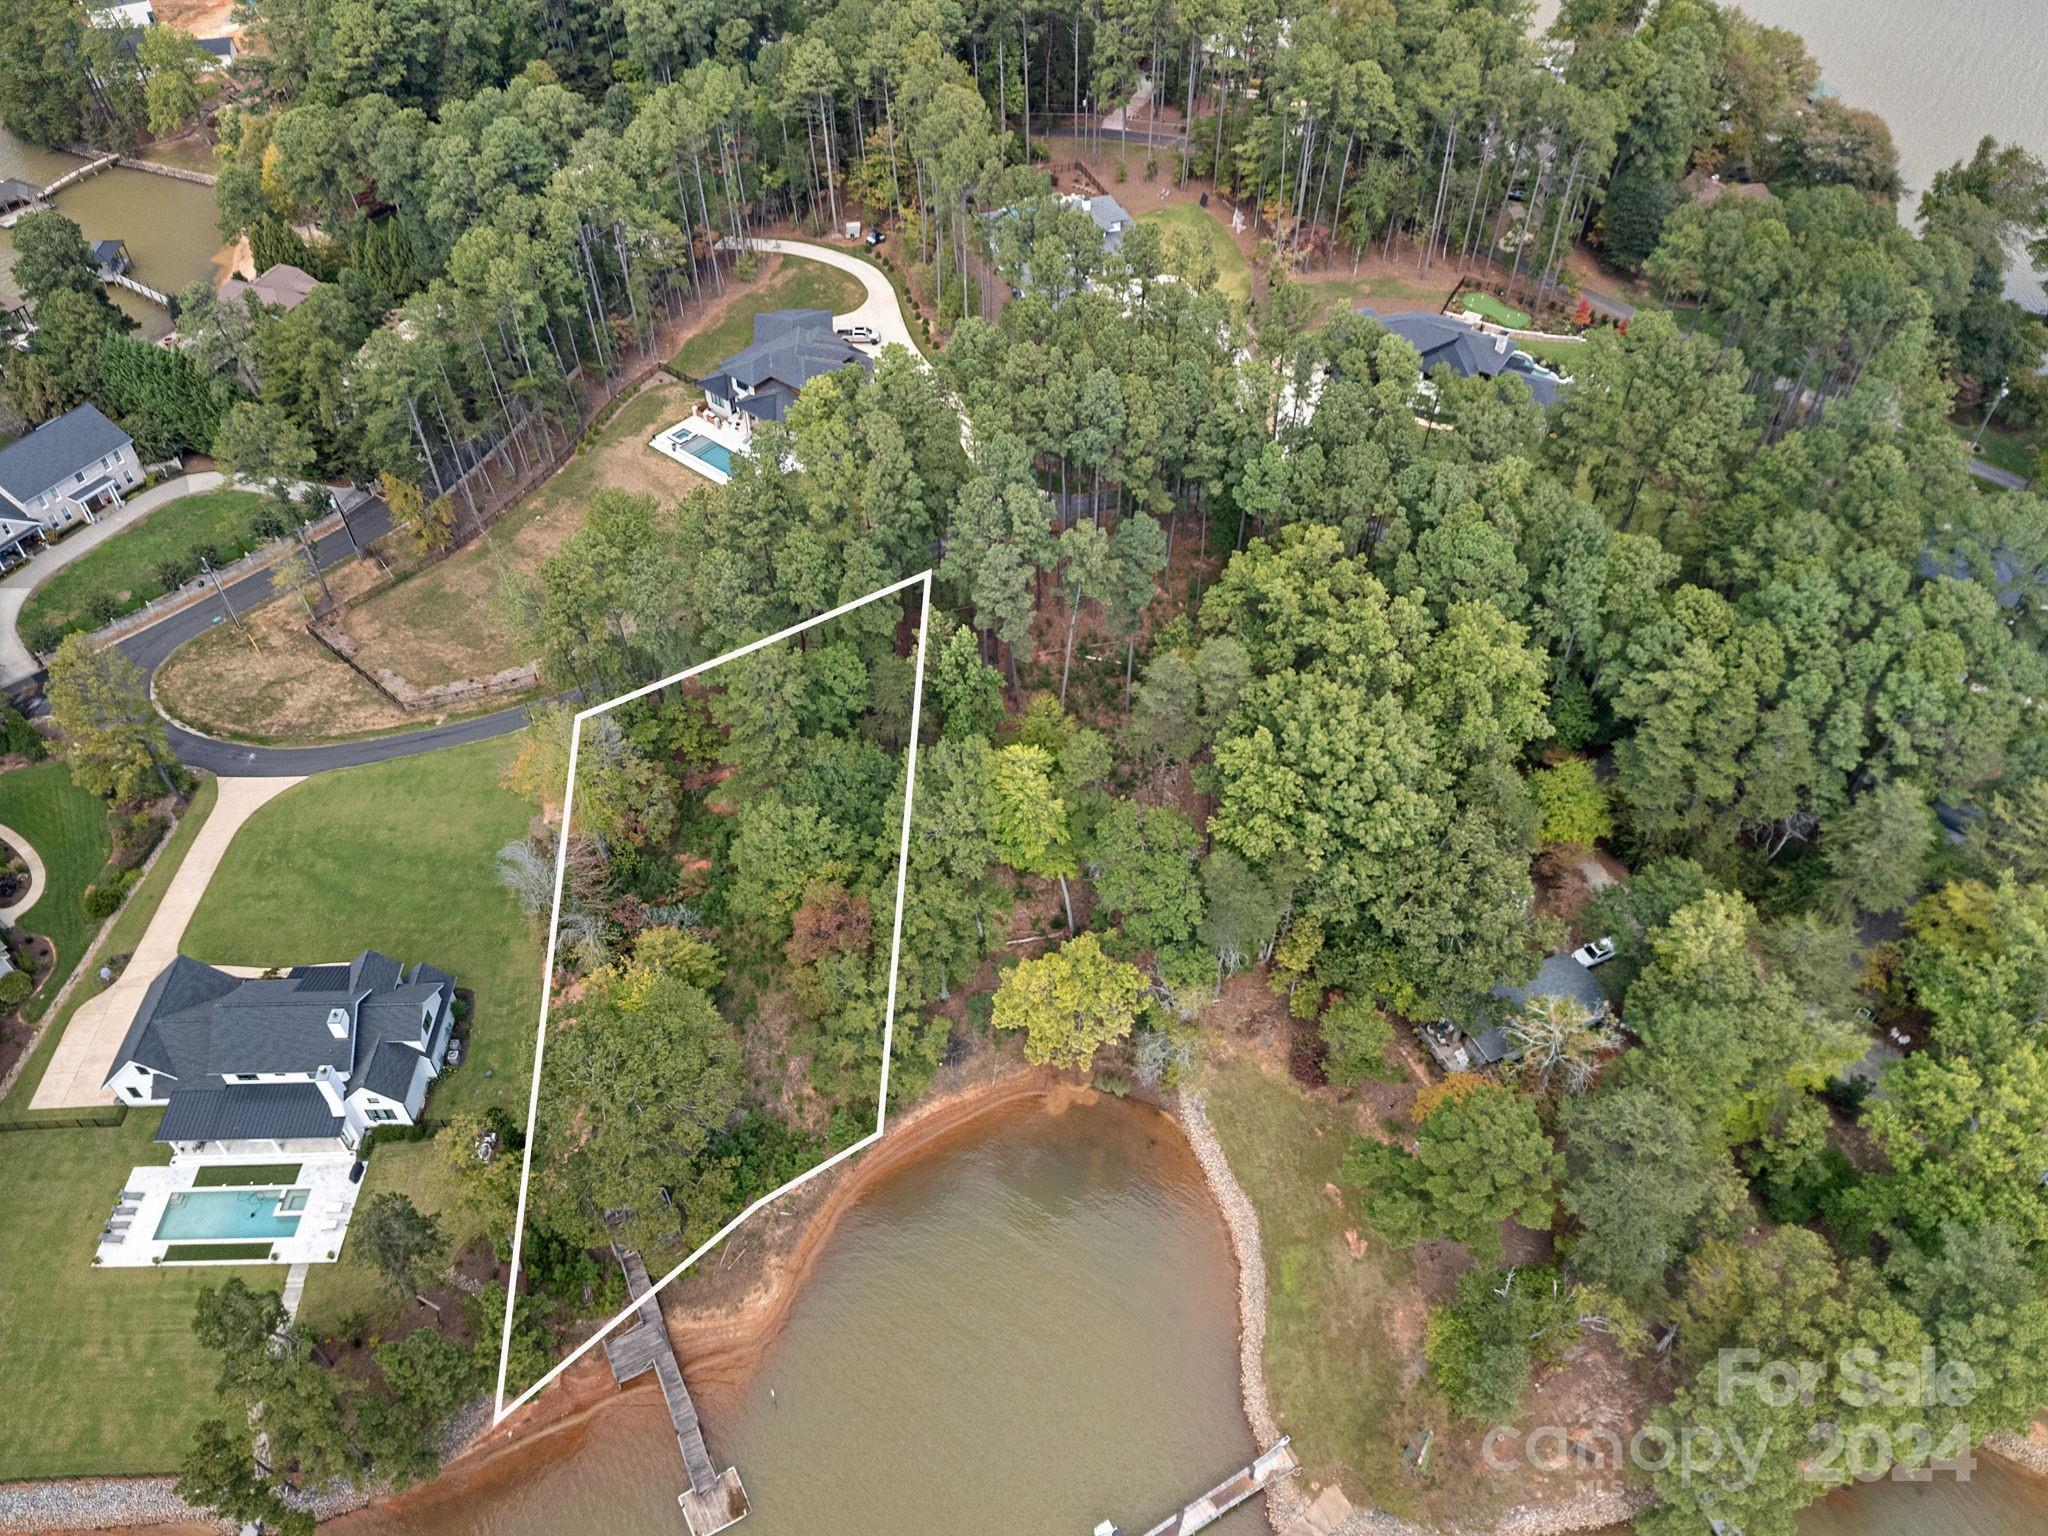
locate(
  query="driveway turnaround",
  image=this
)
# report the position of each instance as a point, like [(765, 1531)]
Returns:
[(16, 662), (879, 312), (85, 1054), (36, 878)]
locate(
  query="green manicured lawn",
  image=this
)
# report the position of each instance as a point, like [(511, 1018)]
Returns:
[(399, 857), (130, 923), (1192, 223), (1332, 1365), (1561, 355), (68, 828), (124, 568), (1495, 310), (243, 1175), (103, 1374), (204, 1253), (352, 1289), (799, 284)]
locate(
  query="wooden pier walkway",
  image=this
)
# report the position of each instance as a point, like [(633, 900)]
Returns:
[(1277, 1462), (123, 280), (714, 1499), (78, 175)]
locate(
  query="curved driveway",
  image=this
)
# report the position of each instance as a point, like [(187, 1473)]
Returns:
[(879, 311), (148, 648), (38, 877), (16, 661)]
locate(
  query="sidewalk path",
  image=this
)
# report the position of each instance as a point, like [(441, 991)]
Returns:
[(85, 1054), (37, 879), (15, 659)]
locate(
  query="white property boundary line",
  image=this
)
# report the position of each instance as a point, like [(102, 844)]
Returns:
[(923, 579)]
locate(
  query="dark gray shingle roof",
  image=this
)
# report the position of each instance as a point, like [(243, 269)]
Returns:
[(249, 1112), (390, 1070), (57, 450), (1560, 976), (198, 1023), (790, 347)]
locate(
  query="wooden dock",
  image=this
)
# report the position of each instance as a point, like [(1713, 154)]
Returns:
[(69, 177), (1277, 1462), (714, 1499)]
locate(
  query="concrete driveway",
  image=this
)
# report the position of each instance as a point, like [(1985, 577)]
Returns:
[(16, 661), (880, 311), (85, 1054)]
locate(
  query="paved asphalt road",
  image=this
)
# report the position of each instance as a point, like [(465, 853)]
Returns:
[(147, 648)]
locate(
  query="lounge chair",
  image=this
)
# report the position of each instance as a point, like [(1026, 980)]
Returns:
[(133, 1194)]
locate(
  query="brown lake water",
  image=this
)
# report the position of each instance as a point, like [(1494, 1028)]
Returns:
[(1030, 1329), (168, 225)]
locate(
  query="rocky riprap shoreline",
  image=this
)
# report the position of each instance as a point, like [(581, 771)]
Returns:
[(1289, 1509)]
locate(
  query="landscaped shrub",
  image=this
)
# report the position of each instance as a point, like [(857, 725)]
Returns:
[(102, 609), (15, 988), (135, 836), (17, 735), (103, 900)]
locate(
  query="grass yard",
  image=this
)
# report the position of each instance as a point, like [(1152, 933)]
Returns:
[(290, 688), (1389, 293), (1197, 227), (2013, 452), (124, 569), (1561, 355), (1334, 1350), (400, 857), (445, 623), (795, 284), (130, 923), (1496, 310), (352, 1287), (105, 1356), (244, 1175), (68, 828)]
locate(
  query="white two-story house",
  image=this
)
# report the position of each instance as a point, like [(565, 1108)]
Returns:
[(302, 1062), (67, 469)]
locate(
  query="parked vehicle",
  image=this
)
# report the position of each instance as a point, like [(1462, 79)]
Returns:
[(875, 238), (860, 335), (1599, 952)]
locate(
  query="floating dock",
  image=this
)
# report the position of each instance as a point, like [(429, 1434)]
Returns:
[(1272, 1465), (714, 1500)]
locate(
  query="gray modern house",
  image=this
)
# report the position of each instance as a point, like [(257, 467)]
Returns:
[(1467, 1050), (304, 1062), (1466, 350), (67, 469), (791, 347)]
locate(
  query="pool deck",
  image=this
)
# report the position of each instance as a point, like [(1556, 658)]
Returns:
[(712, 428), (143, 1199)]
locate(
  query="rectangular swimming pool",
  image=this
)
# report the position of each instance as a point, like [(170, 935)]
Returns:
[(225, 1213), (717, 455)]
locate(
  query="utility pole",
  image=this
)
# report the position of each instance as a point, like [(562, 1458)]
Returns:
[(219, 591), (1997, 400), (313, 561)]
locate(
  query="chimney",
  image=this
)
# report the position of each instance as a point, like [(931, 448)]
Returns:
[(337, 1023), (329, 1082)]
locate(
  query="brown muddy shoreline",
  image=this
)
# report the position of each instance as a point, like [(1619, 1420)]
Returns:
[(721, 1349)]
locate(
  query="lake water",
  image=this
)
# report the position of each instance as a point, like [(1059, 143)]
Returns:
[(1943, 73), (168, 225), (1030, 1329)]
